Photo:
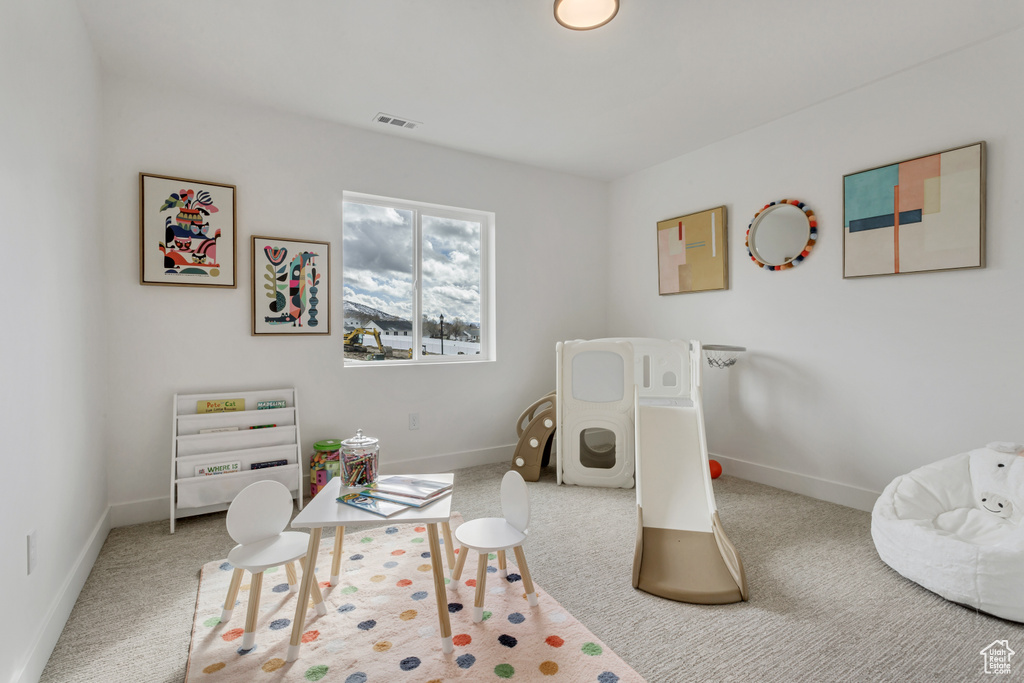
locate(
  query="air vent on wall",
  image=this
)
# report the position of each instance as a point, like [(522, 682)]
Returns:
[(395, 121)]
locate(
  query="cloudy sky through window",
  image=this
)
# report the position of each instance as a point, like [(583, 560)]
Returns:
[(378, 254)]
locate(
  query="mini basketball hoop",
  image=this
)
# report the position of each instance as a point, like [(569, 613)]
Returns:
[(721, 356)]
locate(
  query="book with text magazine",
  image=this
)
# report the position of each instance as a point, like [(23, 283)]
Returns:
[(411, 486), (378, 507), (404, 500)]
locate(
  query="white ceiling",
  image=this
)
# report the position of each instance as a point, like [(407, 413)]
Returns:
[(503, 79)]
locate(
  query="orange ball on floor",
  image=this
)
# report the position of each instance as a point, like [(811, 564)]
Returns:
[(716, 469)]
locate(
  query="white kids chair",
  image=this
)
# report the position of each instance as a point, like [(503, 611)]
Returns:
[(256, 521), (499, 534)]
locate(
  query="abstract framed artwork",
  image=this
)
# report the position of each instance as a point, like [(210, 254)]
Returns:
[(291, 286), (920, 215), (692, 254), (186, 232)]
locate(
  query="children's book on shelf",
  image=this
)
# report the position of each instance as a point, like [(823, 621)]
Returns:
[(219, 468), (227, 405), (404, 500), (267, 405), (378, 507), (214, 430), (409, 485), (268, 463)]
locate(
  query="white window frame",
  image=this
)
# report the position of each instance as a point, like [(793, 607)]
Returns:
[(488, 319)]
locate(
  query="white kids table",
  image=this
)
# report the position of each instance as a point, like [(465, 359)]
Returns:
[(325, 511)]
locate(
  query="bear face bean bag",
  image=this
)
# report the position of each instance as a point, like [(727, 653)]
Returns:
[(955, 528)]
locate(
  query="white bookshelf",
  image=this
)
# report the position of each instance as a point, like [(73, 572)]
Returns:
[(198, 495)]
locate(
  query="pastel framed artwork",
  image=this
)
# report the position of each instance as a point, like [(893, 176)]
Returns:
[(186, 232), (291, 286), (692, 253), (923, 214)]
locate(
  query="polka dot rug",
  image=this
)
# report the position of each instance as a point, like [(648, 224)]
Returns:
[(381, 624)]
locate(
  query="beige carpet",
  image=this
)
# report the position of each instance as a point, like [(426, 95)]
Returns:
[(823, 607)]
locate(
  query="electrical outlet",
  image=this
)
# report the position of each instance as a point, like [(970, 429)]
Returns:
[(31, 551), (414, 420)]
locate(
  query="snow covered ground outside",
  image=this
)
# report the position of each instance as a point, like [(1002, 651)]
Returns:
[(432, 346)]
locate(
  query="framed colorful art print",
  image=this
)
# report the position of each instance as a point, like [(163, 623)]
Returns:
[(186, 232), (291, 286), (692, 254), (920, 215)]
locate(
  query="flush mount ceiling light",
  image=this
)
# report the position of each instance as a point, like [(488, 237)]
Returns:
[(583, 15)]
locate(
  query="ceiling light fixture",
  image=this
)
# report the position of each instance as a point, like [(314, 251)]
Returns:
[(583, 15)]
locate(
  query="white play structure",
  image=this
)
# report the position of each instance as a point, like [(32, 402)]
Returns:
[(955, 527), (594, 419), (629, 411)]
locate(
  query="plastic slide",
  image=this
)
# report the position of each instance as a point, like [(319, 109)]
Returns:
[(682, 552), (536, 430)]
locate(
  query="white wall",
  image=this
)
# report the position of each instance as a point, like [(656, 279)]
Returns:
[(52, 361), (290, 173), (847, 381)]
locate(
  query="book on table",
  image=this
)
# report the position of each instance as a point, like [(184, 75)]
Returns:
[(378, 507), (409, 486), (404, 500)]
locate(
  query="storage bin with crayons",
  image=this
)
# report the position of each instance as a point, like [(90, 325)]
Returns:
[(359, 460), (324, 464)]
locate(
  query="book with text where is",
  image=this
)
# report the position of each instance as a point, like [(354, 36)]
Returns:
[(219, 468)]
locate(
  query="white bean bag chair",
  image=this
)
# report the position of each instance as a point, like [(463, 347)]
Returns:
[(955, 528)]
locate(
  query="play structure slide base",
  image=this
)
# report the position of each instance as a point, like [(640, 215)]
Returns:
[(682, 552), (669, 554)]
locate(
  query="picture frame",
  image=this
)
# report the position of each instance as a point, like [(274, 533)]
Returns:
[(693, 253), (187, 232), (291, 286), (924, 214)]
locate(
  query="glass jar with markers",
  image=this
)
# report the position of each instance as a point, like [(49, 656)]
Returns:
[(359, 456)]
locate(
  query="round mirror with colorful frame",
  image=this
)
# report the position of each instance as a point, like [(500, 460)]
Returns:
[(782, 234)]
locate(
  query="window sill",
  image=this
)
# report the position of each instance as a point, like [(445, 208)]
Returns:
[(349, 363)]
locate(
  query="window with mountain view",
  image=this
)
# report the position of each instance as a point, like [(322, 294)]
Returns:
[(415, 281)]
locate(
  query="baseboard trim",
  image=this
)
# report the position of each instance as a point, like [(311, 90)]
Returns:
[(815, 487), (139, 511), (450, 461), (67, 596), (155, 509)]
